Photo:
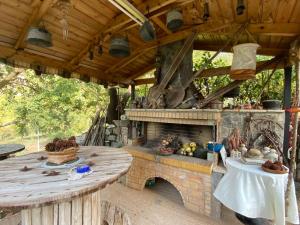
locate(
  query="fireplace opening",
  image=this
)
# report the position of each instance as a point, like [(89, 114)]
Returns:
[(186, 133), (164, 188)]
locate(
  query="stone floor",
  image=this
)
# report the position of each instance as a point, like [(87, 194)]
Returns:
[(148, 207)]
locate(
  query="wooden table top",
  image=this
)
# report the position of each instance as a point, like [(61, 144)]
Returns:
[(7, 149), (33, 188)]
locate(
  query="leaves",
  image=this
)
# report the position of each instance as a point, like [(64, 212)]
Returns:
[(51, 105), (250, 90)]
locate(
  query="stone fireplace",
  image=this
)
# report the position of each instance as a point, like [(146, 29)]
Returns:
[(190, 176), (194, 178)]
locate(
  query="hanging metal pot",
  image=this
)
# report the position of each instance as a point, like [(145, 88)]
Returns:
[(174, 20), (147, 31), (39, 36), (119, 47)]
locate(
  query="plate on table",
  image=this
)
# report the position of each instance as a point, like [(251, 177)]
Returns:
[(253, 161), (284, 171)]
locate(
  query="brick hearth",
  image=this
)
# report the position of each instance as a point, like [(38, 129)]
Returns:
[(190, 176)]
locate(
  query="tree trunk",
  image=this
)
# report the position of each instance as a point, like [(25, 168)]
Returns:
[(175, 92)]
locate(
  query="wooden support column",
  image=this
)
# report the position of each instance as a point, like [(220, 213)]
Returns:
[(132, 94), (287, 105), (83, 210)]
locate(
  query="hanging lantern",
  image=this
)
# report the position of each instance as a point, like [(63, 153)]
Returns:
[(64, 8), (100, 49), (206, 11), (119, 47), (39, 36), (147, 31), (174, 20), (240, 7), (243, 65), (91, 53)]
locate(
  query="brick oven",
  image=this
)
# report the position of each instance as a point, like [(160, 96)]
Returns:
[(192, 177)]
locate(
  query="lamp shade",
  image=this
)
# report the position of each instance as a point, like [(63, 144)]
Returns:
[(40, 37)]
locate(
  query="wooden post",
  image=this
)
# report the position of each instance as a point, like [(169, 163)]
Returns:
[(287, 105), (84, 210), (132, 96)]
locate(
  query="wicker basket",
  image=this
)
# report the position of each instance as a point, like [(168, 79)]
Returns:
[(61, 157)]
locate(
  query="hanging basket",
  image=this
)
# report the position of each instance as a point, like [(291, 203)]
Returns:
[(119, 47), (244, 61), (40, 37), (174, 20)]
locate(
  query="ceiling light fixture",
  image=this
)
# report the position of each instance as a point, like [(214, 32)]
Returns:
[(39, 36)]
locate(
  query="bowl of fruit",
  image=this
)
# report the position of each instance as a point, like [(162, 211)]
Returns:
[(168, 145), (188, 149), (60, 151)]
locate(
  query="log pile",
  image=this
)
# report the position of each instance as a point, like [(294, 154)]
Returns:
[(96, 133)]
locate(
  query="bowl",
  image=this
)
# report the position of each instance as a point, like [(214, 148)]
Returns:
[(271, 104)]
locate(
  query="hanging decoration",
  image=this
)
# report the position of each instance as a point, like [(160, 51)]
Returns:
[(39, 36), (64, 7), (100, 48), (147, 31), (206, 11), (91, 53), (119, 47), (174, 20), (240, 7)]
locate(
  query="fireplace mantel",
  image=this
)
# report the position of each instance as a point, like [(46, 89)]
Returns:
[(207, 117)]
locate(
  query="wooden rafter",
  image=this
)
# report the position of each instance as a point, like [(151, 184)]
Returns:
[(40, 9), (140, 73), (220, 71), (168, 39), (122, 21), (159, 23), (264, 50)]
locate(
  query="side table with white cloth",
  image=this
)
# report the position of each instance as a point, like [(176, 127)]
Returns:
[(252, 192)]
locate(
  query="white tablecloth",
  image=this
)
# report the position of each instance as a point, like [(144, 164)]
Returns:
[(248, 190)]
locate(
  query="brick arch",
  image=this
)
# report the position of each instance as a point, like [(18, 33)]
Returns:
[(168, 180)]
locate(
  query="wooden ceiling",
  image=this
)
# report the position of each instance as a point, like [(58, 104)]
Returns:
[(274, 24)]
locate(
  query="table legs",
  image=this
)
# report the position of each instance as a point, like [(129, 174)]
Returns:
[(84, 210)]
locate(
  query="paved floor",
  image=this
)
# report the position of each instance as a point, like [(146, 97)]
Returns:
[(148, 207)]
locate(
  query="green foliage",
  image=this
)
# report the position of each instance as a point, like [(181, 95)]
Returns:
[(251, 90), (211, 84), (51, 105)]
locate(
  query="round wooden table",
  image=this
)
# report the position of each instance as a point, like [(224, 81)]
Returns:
[(55, 200), (7, 149)]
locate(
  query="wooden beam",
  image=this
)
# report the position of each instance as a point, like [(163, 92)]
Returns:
[(168, 39), (140, 73), (220, 92), (159, 23), (38, 12), (275, 29), (220, 71), (261, 51), (125, 62), (145, 81), (28, 57), (122, 21)]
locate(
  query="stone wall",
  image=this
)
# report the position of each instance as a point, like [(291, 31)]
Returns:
[(194, 187), (231, 119)]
